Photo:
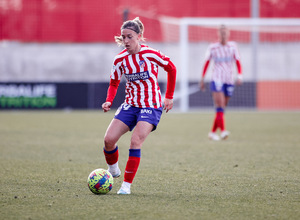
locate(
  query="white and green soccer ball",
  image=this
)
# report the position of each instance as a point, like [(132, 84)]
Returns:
[(100, 181)]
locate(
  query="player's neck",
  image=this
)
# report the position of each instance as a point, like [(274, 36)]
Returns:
[(223, 43), (136, 50)]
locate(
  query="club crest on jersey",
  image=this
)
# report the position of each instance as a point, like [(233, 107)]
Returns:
[(142, 63), (137, 76)]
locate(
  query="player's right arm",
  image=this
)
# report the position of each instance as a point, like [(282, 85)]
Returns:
[(205, 67), (115, 78), (106, 106), (202, 85), (111, 93)]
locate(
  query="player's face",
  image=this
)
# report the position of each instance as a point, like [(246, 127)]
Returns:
[(223, 34), (131, 40)]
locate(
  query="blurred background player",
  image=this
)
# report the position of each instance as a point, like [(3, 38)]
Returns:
[(224, 53), (143, 106)]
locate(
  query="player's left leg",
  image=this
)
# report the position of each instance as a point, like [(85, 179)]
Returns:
[(228, 92), (140, 133), (219, 103), (147, 121)]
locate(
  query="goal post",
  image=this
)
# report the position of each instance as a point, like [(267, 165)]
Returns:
[(261, 41)]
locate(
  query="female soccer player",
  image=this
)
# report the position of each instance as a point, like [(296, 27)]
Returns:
[(142, 108), (223, 53)]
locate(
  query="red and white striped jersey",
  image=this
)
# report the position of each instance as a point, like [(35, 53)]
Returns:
[(223, 57), (141, 71)]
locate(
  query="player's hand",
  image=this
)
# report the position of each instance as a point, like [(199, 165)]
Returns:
[(168, 104), (106, 106), (202, 85)]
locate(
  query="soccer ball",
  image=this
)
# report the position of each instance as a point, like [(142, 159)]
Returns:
[(100, 181)]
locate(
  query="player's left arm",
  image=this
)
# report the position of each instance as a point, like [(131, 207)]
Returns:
[(171, 82), (239, 66), (239, 70), (205, 67)]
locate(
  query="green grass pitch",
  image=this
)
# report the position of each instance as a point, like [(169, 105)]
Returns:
[(46, 157)]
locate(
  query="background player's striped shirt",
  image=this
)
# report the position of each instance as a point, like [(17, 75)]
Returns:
[(141, 71), (224, 56)]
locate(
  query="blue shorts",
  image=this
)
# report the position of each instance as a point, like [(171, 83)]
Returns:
[(132, 115), (227, 89)]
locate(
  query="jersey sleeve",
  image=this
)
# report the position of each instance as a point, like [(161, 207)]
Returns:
[(159, 58), (112, 90), (116, 71), (164, 61), (239, 67), (170, 68), (115, 78), (207, 58), (237, 58), (205, 68), (208, 53), (236, 51), (171, 82)]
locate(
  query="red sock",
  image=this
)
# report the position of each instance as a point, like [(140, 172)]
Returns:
[(111, 157), (131, 168), (132, 165), (215, 124), (221, 121)]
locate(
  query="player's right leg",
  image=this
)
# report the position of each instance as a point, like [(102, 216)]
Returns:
[(228, 90), (224, 133), (114, 131)]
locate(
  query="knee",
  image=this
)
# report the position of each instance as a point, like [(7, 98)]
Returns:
[(109, 142), (136, 142)]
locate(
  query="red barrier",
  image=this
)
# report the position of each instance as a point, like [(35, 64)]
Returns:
[(276, 95), (100, 20)]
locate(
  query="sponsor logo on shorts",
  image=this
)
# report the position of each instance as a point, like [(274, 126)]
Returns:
[(146, 111)]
